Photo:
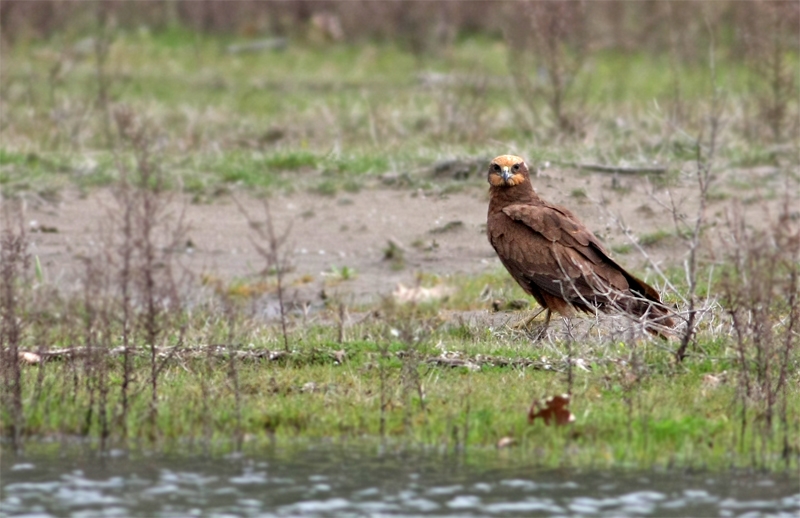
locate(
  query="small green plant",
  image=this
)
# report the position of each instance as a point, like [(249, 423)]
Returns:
[(343, 273), (655, 238), (450, 226), (291, 160), (327, 187), (578, 194), (395, 255)]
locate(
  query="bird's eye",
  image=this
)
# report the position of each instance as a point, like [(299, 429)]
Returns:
[(495, 168), (516, 167)]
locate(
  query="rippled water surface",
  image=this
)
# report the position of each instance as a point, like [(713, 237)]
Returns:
[(331, 480)]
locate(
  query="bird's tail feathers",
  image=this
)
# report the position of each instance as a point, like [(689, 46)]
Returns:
[(656, 318), (641, 303)]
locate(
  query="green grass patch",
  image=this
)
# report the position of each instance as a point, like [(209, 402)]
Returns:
[(291, 160), (622, 249), (663, 420), (346, 110), (435, 374), (661, 237), (578, 194)]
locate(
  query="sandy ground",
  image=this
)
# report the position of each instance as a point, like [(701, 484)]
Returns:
[(439, 233)]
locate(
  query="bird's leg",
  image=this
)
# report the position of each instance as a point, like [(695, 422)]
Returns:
[(527, 322), (547, 316), (541, 330)]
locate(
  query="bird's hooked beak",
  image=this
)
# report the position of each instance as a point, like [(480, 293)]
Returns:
[(506, 174)]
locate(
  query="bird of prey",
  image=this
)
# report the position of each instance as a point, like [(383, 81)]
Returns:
[(556, 259)]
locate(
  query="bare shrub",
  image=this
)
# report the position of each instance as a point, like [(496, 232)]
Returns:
[(271, 246), (547, 49), (770, 43), (411, 325), (761, 293), (706, 148), (102, 43), (462, 107), (97, 336), (141, 246), (14, 265)]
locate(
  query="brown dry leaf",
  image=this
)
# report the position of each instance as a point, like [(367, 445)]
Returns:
[(551, 409)]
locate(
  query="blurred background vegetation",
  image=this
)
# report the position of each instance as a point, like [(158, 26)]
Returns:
[(348, 88)]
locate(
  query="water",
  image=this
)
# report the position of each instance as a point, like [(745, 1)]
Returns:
[(347, 481)]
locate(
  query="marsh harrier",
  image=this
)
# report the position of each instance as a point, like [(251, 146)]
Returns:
[(556, 259)]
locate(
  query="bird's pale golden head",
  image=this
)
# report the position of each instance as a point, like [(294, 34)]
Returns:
[(507, 171)]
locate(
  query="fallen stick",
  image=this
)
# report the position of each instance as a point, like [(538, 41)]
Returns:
[(223, 352), (621, 169), (217, 351), (258, 46)]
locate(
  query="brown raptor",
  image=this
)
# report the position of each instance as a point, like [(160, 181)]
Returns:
[(556, 259)]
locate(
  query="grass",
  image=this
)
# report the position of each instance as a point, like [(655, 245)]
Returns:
[(633, 406), (393, 377), (578, 194), (622, 249), (331, 117), (656, 238), (343, 273), (663, 418)]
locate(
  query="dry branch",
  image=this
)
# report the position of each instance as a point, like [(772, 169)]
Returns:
[(224, 352), (258, 46), (616, 169), (480, 360)]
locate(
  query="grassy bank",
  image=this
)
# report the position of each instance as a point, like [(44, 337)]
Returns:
[(309, 394), (457, 386)]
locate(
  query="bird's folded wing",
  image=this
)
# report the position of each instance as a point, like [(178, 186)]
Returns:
[(559, 225), (574, 243)]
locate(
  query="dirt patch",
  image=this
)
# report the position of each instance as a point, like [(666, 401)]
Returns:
[(327, 235), (384, 237)]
